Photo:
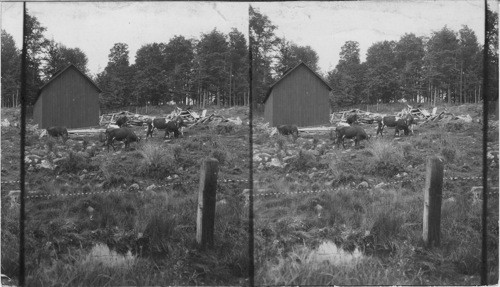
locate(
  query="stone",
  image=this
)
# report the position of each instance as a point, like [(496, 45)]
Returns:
[(46, 164), (380, 185), (275, 162), (363, 184), (134, 186), (151, 187)]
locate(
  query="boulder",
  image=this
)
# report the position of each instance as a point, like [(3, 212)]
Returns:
[(363, 184), (134, 187), (151, 187)]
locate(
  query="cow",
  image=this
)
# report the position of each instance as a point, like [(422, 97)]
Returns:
[(169, 126), (288, 130), (58, 131), (399, 123), (125, 135), (352, 118), (349, 132), (122, 121)]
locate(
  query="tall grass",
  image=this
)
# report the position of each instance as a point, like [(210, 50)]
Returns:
[(388, 157), (158, 161)]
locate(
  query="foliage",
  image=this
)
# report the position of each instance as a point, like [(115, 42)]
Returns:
[(388, 158), (11, 63), (58, 56), (157, 161), (290, 55), (262, 43)]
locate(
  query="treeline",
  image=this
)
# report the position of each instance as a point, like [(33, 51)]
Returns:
[(446, 66), (45, 57), (209, 70), (273, 56)]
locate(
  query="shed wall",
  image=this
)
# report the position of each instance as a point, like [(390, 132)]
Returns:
[(71, 101), (301, 99), (268, 110)]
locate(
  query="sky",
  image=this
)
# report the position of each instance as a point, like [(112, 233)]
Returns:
[(95, 27), (326, 26)]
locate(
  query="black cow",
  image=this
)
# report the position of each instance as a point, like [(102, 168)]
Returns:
[(349, 132), (399, 123), (122, 121), (120, 134), (352, 118), (58, 131), (169, 126), (288, 130)]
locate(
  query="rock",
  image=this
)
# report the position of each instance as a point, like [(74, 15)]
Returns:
[(380, 185), (5, 123), (363, 184), (55, 161), (275, 162), (46, 164), (314, 152), (134, 187), (82, 177), (404, 174), (221, 203), (151, 187), (175, 176)]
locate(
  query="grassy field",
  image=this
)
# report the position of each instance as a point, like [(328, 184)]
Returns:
[(126, 217), (346, 199), (338, 218)]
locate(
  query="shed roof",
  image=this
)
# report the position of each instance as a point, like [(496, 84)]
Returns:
[(288, 72), (61, 72)]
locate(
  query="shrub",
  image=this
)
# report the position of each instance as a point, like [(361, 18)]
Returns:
[(219, 155), (75, 163), (388, 158), (448, 153), (157, 161), (280, 142), (304, 161)]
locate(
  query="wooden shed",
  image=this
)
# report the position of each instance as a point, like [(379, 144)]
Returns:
[(300, 97), (70, 98)]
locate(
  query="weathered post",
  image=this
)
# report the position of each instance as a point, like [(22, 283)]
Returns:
[(206, 203), (432, 201)]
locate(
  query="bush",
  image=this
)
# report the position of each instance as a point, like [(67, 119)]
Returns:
[(304, 161), (157, 161), (75, 163), (219, 155), (388, 158)]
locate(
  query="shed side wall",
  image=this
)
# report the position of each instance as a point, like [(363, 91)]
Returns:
[(301, 99), (268, 110), (71, 101)]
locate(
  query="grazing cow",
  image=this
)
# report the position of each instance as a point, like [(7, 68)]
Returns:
[(58, 131), (122, 121), (399, 123), (352, 118), (288, 130), (120, 134), (169, 126), (349, 132)]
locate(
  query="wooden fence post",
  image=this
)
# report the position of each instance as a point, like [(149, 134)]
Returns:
[(432, 202), (206, 203)]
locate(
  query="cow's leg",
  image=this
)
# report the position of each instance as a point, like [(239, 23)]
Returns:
[(380, 129)]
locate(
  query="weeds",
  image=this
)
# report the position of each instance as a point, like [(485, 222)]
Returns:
[(304, 161), (75, 163), (388, 158), (157, 161)]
